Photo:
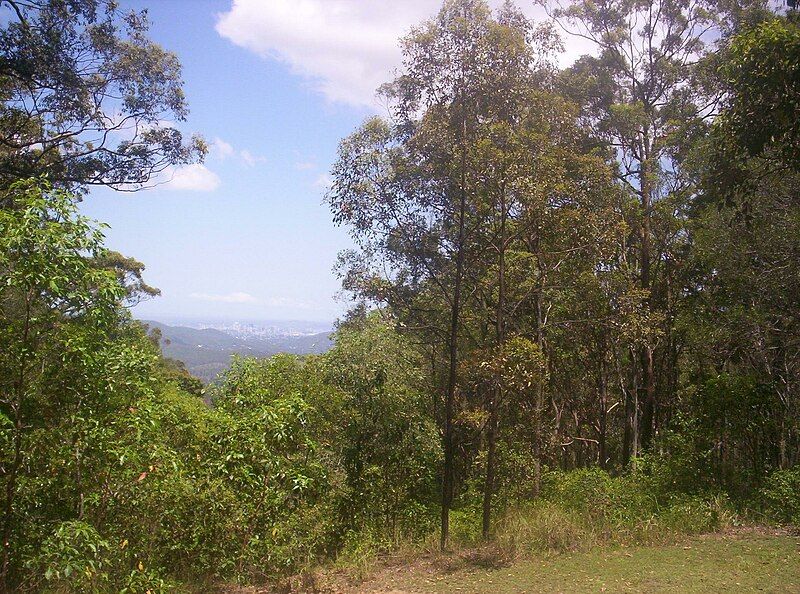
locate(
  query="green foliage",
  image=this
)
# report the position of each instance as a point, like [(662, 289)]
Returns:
[(75, 557), (465, 527), (269, 458), (634, 507), (762, 73), (581, 509), (561, 283), (781, 496), (743, 413), (388, 446), (125, 481), (84, 94), (604, 500)]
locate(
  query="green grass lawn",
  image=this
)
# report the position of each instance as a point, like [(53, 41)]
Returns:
[(741, 563)]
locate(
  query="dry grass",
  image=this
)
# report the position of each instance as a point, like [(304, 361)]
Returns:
[(733, 561)]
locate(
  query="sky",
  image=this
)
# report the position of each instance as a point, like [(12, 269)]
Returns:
[(272, 86)]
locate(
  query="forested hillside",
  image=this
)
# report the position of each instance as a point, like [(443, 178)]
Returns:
[(576, 316), (207, 352)]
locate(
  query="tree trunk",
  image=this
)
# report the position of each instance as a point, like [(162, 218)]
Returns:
[(455, 313), (648, 399), (602, 389), (488, 489), (631, 431), (494, 403), (646, 356), (537, 462)]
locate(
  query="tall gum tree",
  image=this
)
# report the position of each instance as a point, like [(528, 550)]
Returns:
[(408, 203), (640, 94), (481, 162), (87, 98), (410, 189)]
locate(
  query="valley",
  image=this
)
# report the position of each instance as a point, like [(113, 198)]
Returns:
[(207, 351)]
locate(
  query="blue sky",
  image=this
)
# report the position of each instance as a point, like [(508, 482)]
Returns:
[(272, 85)]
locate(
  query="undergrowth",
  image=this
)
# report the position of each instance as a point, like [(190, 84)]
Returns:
[(575, 511)]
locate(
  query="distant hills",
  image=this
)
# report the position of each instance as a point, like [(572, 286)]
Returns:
[(207, 351)]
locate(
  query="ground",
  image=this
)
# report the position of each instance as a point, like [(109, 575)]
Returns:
[(749, 561), (736, 561)]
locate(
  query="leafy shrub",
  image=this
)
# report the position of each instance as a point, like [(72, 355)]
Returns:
[(606, 502), (695, 515), (465, 527), (781, 496), (634, 508), (144, 581), (74, 557)]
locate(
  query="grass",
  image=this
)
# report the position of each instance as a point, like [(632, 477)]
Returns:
[(744, 562)]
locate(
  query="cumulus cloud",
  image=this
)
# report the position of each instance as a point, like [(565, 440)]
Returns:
[(191, 178), (219, 149), (345, 48), (238, 297), (250, 159)]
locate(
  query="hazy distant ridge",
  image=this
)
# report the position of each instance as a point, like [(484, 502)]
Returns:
[(207, 351)]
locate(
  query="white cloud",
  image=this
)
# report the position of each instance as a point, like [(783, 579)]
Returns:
[(221, 149), (304, 166), (345, 48), (191, 178), (339, 44), (250, 159), (238, 297)]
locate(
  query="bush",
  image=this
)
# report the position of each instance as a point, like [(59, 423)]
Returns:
[(466, 527), (541, 526), (606, 502), (635, 508), (695, 515), (781, 496), (75, 557)]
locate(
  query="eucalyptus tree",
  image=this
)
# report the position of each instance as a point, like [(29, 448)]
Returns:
[(404, 191), (641, 95), (86, 97), (557, 220), (449, 79), (519, 70), (743, 307), (413, 191)]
